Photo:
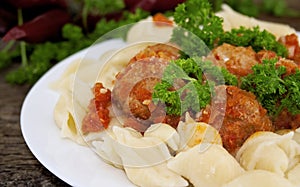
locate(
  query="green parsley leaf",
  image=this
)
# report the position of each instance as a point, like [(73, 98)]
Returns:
[(255, 38), (274, 92), (183, 88), (197, 17), (291, 100), (197, 22)]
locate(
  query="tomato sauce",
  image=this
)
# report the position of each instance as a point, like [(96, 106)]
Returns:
[(97, 118), (292, 44)]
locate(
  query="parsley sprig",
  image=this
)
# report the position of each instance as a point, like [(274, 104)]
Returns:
[(274, 90), (197, 19), (255, 38), (196, 81)]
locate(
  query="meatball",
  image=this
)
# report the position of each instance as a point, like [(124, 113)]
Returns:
[(238, 118), (162, 51), (140, 98), (285, 120), (132, 93), (290, 66), (237, 60), (265, 54)]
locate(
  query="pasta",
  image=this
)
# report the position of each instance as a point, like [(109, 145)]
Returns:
[(297, 136), (155, 176), (259, 178), (67, 106), (293, 175), (206, 165), (256, 151), (147, 30), (142, 157), (165, 133), (193, 133)]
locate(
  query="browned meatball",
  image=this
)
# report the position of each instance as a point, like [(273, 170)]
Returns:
[(238, 118), (132, 93), (285, 120), (265, 54), (140, 98), (290, 66), (163, 51), (237, 60)]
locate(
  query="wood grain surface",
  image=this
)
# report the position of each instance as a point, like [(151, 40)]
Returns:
[(18, 166)]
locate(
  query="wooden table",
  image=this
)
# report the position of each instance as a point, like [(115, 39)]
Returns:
[(18, 167)]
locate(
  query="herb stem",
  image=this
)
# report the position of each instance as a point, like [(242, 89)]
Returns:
[(22, 43), (8, 46), (85, 11)]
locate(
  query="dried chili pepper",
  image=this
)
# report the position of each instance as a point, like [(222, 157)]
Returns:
[(35, 3), (152, 5), (40, 28)]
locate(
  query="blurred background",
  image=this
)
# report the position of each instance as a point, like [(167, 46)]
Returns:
[(36, 34)]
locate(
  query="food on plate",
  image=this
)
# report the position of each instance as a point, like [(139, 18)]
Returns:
[(143, 158), (293, 174), (297, 135), (238, 60), (206, 165), (143, 31), (69, 108), (255, 152), (244, 116), (259, 178), (134, 86), (97, 117), (193, 133), (169, 112), (292, 44), (155, 176)]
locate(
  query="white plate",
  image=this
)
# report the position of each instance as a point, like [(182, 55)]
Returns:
[(76, 165)]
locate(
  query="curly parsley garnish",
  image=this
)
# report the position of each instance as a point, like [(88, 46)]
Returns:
[(274, 91), (197, 17), (255, 38), (187, 85)]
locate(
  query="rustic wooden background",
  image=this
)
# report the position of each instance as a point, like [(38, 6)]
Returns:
[(18, 167)]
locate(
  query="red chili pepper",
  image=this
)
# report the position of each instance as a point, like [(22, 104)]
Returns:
[(6, 20), (35, 3), (143, 4), (40, 28), (152, 5)]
